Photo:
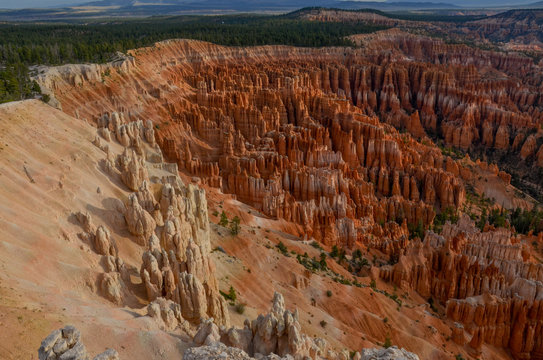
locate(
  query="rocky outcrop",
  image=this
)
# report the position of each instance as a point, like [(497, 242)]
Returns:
[(177, 266), (216, 351), (391, 353), (111, 287), (111, 284), (134, 172), (490, 291), (167, 314), (65, 344), (513, 323), (176, 270), (277, 333), (164, 275), (100, 238), (140, 222), (104, 243)]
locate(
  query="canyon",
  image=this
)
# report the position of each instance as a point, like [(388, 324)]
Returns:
[(187, 198)]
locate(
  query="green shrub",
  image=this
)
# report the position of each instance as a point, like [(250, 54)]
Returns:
[(448, 214), (240, 308), (322, 261), (357, 254), (235, 228), (388, 342), (323, 323), (316, 245), (282, 248), (416, 230), (224, 219), (335, 251), (231, 295)]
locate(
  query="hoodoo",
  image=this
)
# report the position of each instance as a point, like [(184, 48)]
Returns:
[(372, 192)]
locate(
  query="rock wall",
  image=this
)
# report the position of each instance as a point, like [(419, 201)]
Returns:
[(484, 282), (172, 230)]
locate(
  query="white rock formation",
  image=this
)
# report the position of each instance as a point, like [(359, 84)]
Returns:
[(139, 221), (65, 344), (391, 353)]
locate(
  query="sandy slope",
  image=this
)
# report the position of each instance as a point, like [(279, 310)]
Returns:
[(46, 272)]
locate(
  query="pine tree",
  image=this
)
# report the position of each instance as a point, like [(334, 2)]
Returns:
[(234, 226), (224, 219)]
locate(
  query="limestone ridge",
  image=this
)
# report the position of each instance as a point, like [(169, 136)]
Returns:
[(173, 230), (276, 335)]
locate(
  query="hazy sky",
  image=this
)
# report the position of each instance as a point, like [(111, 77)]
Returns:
[(14, 4)]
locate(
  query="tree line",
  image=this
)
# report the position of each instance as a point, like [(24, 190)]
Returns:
[(26, 44)]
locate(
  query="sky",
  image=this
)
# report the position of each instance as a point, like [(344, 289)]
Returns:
[(17, 4)]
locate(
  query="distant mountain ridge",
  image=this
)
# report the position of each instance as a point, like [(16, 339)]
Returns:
[(245, 5)]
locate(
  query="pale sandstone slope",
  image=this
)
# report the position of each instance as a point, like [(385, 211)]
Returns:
[(48, 274)]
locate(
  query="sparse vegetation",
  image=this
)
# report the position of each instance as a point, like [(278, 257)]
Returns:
[(322, 261), (316, 245), (235, 228), (231, 295), (448, 214), (323, 323), (224, 219), (388, 342), (312, 263), (335, 252), (523, 221), (432, 305), (416, 231), (282, 248), (240, 308)]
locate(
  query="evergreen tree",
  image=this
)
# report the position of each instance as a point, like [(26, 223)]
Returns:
[(224, 219), (234, 226)]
